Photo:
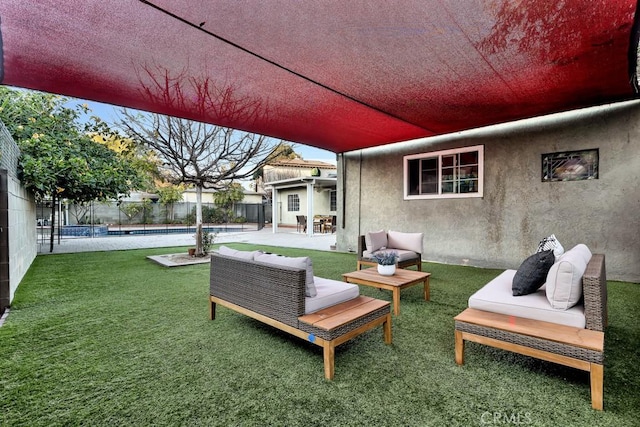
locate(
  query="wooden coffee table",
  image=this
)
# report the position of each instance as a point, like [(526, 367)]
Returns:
[(400, 280)]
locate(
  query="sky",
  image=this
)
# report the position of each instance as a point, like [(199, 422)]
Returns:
[(108, 113)]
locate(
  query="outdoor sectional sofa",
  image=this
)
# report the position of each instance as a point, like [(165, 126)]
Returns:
[(545, 324), (407, 245), (282, 292)]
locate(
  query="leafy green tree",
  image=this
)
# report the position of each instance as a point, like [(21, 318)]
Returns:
[(144, 161), (59, 159), (226, 198), (168, 195), (130, 209)]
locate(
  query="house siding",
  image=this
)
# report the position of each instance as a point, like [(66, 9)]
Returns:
[(291, 177), (321, 204), (289, 217), (517, 210)]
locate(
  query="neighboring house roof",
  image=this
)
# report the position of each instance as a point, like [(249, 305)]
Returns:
[(299, 163), (296, 170), (329, 182)]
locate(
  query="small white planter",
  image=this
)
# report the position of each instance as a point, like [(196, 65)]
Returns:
[(387, 270)]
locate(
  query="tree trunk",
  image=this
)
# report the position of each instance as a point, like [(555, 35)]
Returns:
[(53, 222), (199, 249)]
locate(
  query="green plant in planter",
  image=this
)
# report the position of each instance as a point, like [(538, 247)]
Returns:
[(207, 240), (385, 257)]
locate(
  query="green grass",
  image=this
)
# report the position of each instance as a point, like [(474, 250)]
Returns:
[(111, 338)]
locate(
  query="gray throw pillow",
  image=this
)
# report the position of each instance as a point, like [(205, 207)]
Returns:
[(224, 250), (375, 240), (532, 273)]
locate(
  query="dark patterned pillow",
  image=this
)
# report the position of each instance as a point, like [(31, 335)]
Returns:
[(532, 273), (552, 243)]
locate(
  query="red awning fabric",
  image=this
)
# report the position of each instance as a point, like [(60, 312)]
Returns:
[(338, 75)]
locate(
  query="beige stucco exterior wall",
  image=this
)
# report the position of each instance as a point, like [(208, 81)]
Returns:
[(285, 216), (209, 197), (517, 210), (190, 196), (321, 204)]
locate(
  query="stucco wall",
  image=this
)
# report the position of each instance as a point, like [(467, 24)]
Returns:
[(517, 210), (285, 216), (321, 204)]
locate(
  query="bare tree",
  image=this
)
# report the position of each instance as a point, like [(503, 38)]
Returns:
[(198, 154)]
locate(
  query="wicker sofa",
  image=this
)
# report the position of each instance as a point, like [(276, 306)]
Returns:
[(407, 245), (276, 294), (572, 337)]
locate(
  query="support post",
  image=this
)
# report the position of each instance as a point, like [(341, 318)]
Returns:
[(274, 209), (310, 188)]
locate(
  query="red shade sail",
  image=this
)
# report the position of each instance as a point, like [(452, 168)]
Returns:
[(339, 75)]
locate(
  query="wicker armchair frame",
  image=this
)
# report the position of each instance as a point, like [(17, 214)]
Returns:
[(275, 295), (574, 347), (362, 246)]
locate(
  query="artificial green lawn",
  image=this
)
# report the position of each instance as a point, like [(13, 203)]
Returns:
[(111, 338)]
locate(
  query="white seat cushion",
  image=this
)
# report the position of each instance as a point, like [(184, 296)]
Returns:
[(402, 254), (330, 292), (496, 296)]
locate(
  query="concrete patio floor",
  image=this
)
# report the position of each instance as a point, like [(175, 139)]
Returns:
[(285, 237)]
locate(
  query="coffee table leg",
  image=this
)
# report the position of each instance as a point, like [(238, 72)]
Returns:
[(396, 301), (427, 294)]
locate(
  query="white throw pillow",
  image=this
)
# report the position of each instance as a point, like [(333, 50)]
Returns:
[(224, 250), (299, 262), (406, 241), (375, 240), (551, 243), (564, 280)]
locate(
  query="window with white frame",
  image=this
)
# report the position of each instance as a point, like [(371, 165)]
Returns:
[(293, 203), (444, 174), (334, 201)]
